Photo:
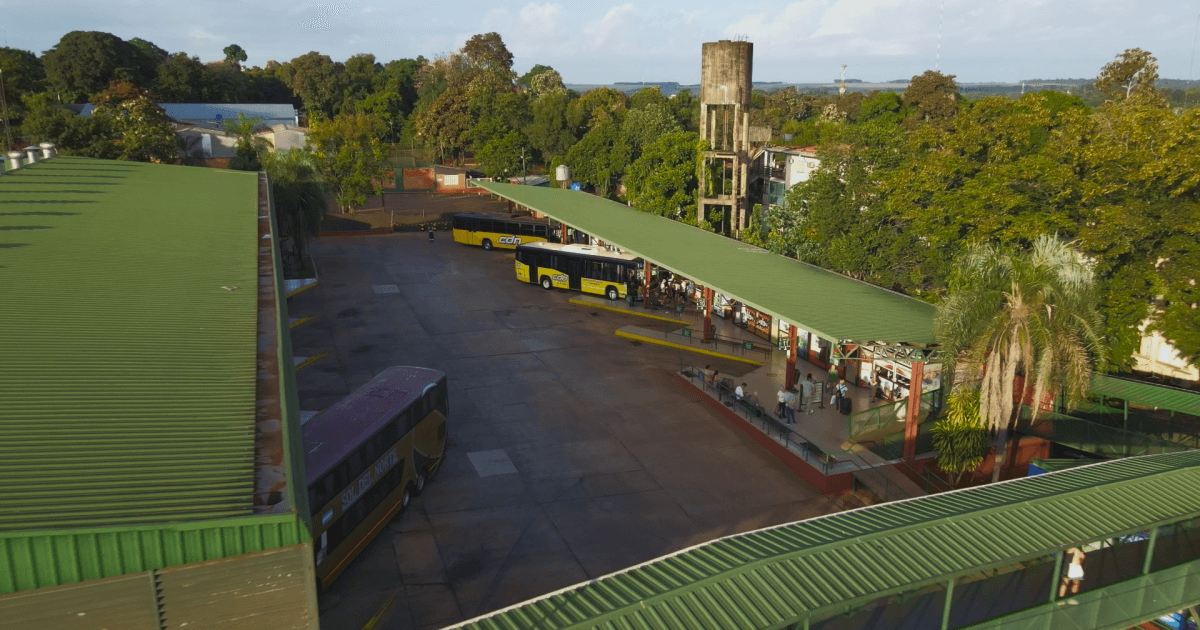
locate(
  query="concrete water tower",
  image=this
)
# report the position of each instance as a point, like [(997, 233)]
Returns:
[(725, 86)]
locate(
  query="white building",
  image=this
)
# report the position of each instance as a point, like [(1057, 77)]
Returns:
[(777, 169)]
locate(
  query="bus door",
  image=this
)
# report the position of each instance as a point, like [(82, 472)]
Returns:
[(574, 271)]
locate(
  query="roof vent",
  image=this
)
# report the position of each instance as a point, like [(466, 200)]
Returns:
[(32, 152), (47, 150), (14, 160)]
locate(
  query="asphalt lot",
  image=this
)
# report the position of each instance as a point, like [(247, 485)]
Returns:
[(615, 461)]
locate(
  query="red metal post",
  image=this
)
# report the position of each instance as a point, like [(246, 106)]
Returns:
[(708, 300), (914, 409), (646, 287), (790, 379)]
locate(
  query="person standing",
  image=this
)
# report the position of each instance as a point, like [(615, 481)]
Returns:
[(431, 234), (843, 397), (807, 390), (782, 397), (789, 405)]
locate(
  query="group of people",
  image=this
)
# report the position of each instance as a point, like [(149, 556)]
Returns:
[(793, 399), (673, 288)]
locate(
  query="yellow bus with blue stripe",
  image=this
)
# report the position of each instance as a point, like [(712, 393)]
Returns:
[(489, 231), (585, 268)]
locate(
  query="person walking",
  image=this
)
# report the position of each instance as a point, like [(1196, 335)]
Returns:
[(431, 234), (1074, 575), (843, 397), (807, 390)]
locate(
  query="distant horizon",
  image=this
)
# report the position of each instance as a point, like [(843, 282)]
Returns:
[(600, 42)]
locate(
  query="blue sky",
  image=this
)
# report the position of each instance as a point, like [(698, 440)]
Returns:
[(594, 41)]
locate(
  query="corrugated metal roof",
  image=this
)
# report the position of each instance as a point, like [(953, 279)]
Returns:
[(271, 113), (834, 306), (128, 367), (1162, 397), (774, 577)]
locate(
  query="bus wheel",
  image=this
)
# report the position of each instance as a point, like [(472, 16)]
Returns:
[(487, 244), (546, 284), (612, 293), (405, 497), (420, 485)]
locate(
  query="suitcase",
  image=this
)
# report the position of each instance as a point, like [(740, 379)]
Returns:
[(845, 405)]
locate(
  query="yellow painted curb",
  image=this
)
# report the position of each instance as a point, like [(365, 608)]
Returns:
[(629, 312), (302, 321), (310, 360), (302, 289), (668, 344), (387, 606)]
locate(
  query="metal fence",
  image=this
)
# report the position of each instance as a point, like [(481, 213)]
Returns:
[(694, 338), (892, 415), (1091, 437)]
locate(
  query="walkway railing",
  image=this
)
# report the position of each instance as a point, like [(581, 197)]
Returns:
[(694, 337), (828, 462), (1095, 438), (889, 415)]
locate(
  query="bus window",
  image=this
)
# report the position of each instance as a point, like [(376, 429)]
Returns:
[(521, 257), (472, 224), (527, 228), (460, 223), (512, 228), (539, 230)]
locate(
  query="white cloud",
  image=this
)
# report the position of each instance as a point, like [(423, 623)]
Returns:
[(543, 17), (613, 30), (199, 33)]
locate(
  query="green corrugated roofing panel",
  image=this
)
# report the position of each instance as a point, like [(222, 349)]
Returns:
[(1181, 400), (834, 306), (823, 564), (127, 373)]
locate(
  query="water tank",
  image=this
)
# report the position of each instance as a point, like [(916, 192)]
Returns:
[(562, 172), (726, 69)]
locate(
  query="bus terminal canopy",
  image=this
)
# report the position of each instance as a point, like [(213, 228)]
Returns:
[(832, 306)]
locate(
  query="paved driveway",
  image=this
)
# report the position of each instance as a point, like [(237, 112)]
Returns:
[(572, 452)]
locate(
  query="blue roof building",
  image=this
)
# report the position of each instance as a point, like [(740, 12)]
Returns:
[(213, 115)]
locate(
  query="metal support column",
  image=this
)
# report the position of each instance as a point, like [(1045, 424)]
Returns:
[(914, 409), (708, 300), (1150, 551), (646, 286), (789, 379), (946, 606), (1126, 425)]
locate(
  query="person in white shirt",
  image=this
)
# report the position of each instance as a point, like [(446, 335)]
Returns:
[(740, 391), (808, 391)]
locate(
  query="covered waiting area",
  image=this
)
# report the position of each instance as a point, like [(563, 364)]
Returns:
[(834, 307)]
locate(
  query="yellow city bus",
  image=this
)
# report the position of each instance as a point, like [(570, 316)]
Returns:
[(367, 456), (585, 268), (493, 231)]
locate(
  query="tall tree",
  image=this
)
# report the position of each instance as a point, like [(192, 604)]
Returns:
[(1032, 311), (444, 124), (488, 54), (21, 73), (933, 96), (317, 80), (299, 195), (1134, 71), (600, 157), (145, 57), (584, 112), (48, 121), (549, 133), (82, 63), (644, 125), (181, 79), (141, 130), (348, 151), (501, 157), (664, 179), (250, 148), (234, 55)]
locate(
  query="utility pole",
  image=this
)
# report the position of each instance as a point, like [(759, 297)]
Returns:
[(524, 171), (4, 114)]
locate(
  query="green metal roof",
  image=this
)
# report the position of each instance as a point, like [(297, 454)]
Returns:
[(127, 371), (834, 306), (778, 576), (1162, 397)]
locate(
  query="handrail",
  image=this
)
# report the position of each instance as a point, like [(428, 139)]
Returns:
[(828, 462)]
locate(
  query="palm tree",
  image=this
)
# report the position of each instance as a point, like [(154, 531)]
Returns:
[(250, 148), (299, 195), (1033, 311)]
